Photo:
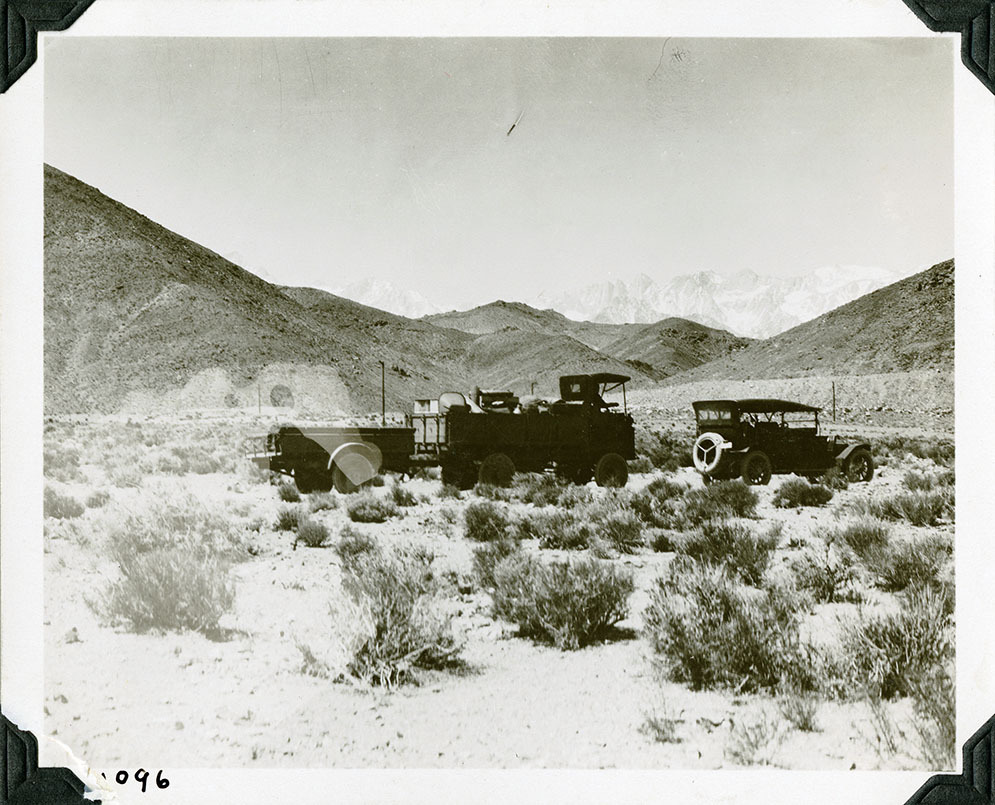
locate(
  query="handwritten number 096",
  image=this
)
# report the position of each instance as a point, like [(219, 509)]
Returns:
[(142, 777)]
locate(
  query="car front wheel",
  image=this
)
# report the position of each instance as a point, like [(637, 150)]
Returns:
[(859, 466), (755, 469)]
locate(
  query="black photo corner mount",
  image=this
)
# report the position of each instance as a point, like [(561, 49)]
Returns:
[(973, 786), (975, 21), (20, 22), (22, 782)]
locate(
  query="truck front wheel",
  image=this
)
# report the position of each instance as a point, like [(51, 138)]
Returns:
[(611, 470)]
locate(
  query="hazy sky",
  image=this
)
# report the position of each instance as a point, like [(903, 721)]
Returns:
[(322, 161)]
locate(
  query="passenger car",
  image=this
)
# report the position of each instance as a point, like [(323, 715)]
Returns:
[(753, 438)]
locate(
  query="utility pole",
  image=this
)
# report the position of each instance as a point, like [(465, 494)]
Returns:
[(383, 394), (259, 399), (834, 401)]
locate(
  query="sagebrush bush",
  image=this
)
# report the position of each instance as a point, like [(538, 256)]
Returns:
[(487, 557), (718, 501), (287, 491), (402, 496), (401, 624), (745, 553), (939, 452), (491, 492), (367, 507), (616, 526), (570, 604), (322, 501), (863, 535), (98, 498), (660, 502), (172, 588), (800, 710), (485, 522), (827, 571), (61, 463), (884, 655), (554, 529), (352, 543), (908, 563), (539, 489), (665, 450), (311, 532), (917, 508), (61, 507), (287, 518), (448, 491), (708, 630), (834, 479), (797, 492)]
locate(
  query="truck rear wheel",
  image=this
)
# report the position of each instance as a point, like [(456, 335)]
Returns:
[(611, 471), (497, 470)]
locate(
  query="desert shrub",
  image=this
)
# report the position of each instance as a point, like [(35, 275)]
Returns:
[(98, 498), (660, 503), (311, 532), (665, 450), (570, 604), (402, 496), (755, 741), (322, 501), (539, 489), (927, 481), (288, 518), (367, 507), (917, 508), (61, 463), (797, 492), (401, 624), (834, 479), (745, 553), (827, 571), (352, 543), (800, 710), (934, 704), (862, 536), (491, 492), (718, 501), (448, 491), (574, 496), (485, 522), (377, 481), (170, 588), (915, 562), (663, 540), (709, 631), (196, 459), (61, 507), (885, 654), (487, 557), (641, 465), (616, 526), (287, 492)]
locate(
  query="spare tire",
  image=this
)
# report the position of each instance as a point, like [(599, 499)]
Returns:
[(611, 470), (707, 451), (497, 470)]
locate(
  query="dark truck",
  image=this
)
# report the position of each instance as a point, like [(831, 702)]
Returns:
[(487, 439), (753, 438)]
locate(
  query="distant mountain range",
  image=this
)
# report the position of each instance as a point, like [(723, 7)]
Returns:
[(745, 303), (138, 317)]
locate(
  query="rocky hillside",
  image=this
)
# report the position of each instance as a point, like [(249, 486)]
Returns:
[(134, 312), (903, 327)]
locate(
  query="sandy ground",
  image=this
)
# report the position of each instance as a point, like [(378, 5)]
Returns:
[(185, 700)]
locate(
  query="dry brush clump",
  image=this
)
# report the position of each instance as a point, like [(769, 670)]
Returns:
[(915, 507), (569, 604), (287, 492), (486, 522), (175, 562), (313, 533), (735, 546), (59, 506), (828, 571), (399, 622), (666, 504), (664, 450), (709, 630), (795, 493), (606, 524), (368, 507), (917, 562)]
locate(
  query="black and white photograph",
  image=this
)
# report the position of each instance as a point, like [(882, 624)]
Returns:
[(502, 402)]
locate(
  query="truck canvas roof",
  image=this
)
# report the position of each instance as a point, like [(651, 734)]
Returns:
[(757, 405)]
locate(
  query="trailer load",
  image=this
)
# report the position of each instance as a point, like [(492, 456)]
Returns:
[(484, 438)]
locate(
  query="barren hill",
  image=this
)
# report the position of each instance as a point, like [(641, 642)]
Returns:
[(902, 327), (658, 350), (134, 311)]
